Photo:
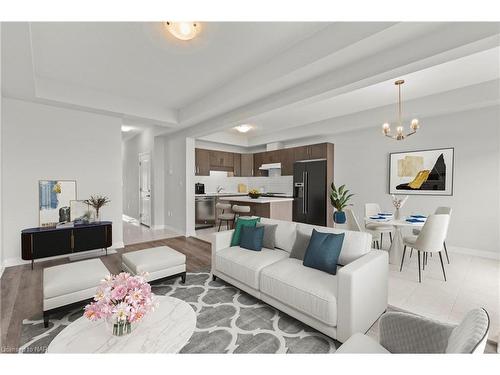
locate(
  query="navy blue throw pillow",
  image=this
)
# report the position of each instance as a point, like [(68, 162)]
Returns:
[(252, 238), (323, 251)]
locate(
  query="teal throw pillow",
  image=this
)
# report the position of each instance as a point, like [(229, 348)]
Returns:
[(323, 251), (235, 241)]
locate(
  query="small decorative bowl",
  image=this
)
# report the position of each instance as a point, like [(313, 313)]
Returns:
[(254, 195)]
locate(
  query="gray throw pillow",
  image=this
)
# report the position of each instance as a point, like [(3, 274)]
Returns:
[(269, 235), (300, 246)]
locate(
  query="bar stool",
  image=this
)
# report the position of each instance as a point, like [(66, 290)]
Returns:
[(226, 214), (239, 210)]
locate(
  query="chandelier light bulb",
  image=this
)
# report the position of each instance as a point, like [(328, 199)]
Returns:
[(399, 129)]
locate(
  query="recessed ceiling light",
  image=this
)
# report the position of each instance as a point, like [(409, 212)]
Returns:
[(243, 128), (126, 128), (183, 30)]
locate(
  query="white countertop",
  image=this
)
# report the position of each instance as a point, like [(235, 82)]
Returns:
[(214, 194), (247, 199)]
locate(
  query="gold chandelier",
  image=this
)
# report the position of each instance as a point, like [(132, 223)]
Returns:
[(399, 136)]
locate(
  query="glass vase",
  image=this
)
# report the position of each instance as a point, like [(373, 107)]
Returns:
[(396, 214), (120, 328)]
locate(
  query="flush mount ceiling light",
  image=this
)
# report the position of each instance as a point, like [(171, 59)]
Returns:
[(243, 128), (183, 30), (126, 128), (399, 136)]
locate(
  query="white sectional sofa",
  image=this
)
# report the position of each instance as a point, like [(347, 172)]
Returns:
[(337, 305)]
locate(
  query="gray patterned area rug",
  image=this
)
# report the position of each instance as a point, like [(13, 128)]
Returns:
[(228, 321)]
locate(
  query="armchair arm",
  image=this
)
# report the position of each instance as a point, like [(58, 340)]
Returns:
[(220, 240), (408, 333), (362, 293)]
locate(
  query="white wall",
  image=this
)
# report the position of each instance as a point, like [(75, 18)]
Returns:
[(178, 184), (46, 142), (361, 162)]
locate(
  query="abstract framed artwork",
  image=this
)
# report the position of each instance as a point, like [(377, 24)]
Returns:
[(423, 172), (54, 201)]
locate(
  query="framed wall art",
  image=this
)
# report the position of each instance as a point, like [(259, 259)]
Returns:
[(424, 172)]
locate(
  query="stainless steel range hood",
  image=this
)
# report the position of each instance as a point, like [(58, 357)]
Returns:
[(267, 167)]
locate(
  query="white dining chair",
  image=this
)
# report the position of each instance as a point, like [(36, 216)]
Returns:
[(373, 209), (430, 240), (353, 224), (439, 211)]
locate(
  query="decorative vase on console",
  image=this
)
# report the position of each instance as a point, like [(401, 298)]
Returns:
[(398, 204), (97, 202), (122, 300)]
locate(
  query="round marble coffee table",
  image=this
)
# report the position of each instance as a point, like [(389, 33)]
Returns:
[(166, 330)]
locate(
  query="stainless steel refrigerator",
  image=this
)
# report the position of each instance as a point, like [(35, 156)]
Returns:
[(309, 192)]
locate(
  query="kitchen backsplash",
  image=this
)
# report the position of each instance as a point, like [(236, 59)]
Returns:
[(279, 184)]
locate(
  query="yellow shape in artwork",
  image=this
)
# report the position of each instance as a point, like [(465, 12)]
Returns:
[(421, 177), (410, 166)]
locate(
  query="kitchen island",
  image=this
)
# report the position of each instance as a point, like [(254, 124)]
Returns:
[(279, 208)]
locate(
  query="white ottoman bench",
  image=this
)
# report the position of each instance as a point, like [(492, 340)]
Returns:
[(159, 262), (70, 283)]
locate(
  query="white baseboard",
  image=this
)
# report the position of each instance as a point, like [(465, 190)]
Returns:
[(117, 245), (474, 252), (10, 262)]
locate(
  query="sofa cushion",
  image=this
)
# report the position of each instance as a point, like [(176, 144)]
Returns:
[(307, 290), (244, 265), (355, 245), (323, 251), (252, 238), (285, 233)]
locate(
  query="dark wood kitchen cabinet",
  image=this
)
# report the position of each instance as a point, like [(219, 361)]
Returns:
[(258, 160), (221, 161), (237, 165), (247, 166), (202, 162), (287, 158)]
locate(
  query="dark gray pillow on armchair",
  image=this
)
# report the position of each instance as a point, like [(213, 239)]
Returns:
[(300, 246), (269, 235)]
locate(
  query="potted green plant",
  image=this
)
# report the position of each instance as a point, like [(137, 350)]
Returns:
[(339, 198), (97, 202)]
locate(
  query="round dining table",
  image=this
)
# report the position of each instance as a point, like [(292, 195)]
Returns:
[(396, 248)]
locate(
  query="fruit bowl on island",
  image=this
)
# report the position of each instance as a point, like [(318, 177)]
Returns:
[(254, 194)]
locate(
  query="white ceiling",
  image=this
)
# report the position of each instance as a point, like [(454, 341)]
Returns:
[(143, 61), (278, 76)]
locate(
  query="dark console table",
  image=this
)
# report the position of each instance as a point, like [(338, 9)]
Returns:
[(44, 242)]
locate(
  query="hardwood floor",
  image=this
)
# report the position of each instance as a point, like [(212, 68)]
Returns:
[(21, 287)]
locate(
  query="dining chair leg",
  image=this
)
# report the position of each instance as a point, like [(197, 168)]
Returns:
[(419, 272), (446, 252), (220, 223), (402, 259), (442, 264), (411, 252), (390, 236), (381, 239)]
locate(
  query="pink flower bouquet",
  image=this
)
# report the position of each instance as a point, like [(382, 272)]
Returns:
[(121, 299)]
